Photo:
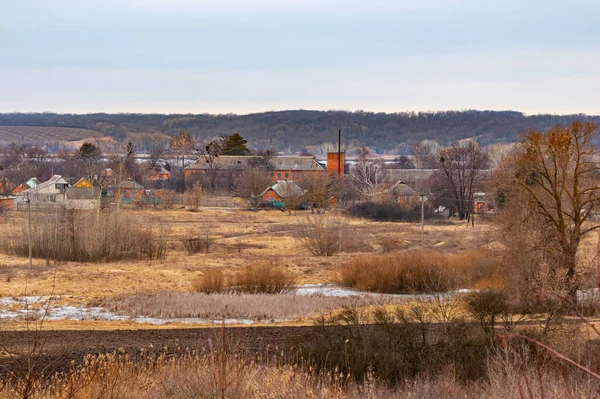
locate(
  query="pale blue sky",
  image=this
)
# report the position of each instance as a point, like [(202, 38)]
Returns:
[(247, 56)]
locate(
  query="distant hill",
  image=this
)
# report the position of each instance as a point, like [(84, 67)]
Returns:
[(40, 134), (289, 130)]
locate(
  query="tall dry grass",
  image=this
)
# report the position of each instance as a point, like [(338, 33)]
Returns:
[(263, 278), (230, 305), (210, 282), (418, 271), (84, 237), (254, 278), (192, 375)]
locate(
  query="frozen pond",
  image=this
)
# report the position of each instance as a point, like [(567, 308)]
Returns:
[(67, 308), (37, 308), (339, 291)]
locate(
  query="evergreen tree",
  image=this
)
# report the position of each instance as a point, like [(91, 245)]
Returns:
[(235, 145)]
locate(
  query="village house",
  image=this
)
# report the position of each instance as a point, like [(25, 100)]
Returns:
[(57, 193), (47, 195), (281, 190), (7, 202), (129, 190), (82, 198), (6, 186), (159, 173), (404, 194), (31, 183)]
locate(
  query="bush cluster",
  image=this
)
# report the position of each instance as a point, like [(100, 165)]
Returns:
[(417, 271), (84, 237), (256, 278)]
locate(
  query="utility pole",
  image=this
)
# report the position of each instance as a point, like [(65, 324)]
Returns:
[(29, 230), (422, 218), (339, 153)]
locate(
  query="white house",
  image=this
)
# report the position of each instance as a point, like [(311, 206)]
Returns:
[(47, 195)]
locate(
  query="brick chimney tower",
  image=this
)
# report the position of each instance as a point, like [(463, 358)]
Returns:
[(335, 163)]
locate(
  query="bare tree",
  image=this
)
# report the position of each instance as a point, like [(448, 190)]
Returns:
[(291, 194), (319, 191), (557, 174), (181, 145), (497, 152), (251, 184), (461, 170), (368, 175), (155, 154), (403, 162), (210, 154), (424, 154), (39, 160)]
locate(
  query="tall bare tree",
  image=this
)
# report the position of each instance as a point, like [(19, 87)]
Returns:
[(319, 190), (210, 154), (182, 144), (368, 175), (250, 185), (424, 154), (461, 170), (556, 173)]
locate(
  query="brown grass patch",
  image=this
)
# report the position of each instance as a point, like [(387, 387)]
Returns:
[(417, 271)]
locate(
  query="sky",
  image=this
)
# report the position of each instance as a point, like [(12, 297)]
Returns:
[(228, 56)]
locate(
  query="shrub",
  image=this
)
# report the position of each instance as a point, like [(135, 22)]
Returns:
[(262, 278), (393, 349), (195, 242), (167, 197), (413, 271), (210, 282), (485, 306), (193, 198), (323, 235), (83, 237)]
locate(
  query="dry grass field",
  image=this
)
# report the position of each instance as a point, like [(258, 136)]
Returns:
[(40, 134), (238, 237)]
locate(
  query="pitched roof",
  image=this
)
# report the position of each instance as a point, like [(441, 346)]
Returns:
[(283, 188), (34, 181), (241, 162), (159, 169), (130, 184), (402, 189), (76, 193), (6, 185), (53, 180)]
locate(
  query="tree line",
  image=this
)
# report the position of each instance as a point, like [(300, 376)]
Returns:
[(296, 131)]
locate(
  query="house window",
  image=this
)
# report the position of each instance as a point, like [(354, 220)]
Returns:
[(294, 175), (287, 175), (279, 175)]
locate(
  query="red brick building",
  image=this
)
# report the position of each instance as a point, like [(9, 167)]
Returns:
[(282, 167)]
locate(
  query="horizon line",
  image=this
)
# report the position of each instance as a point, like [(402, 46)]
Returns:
[(297, 110)]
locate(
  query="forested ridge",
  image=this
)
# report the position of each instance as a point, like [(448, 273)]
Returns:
[(295, 130)]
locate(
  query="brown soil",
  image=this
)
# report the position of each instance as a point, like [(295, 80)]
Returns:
[(58, 350)]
